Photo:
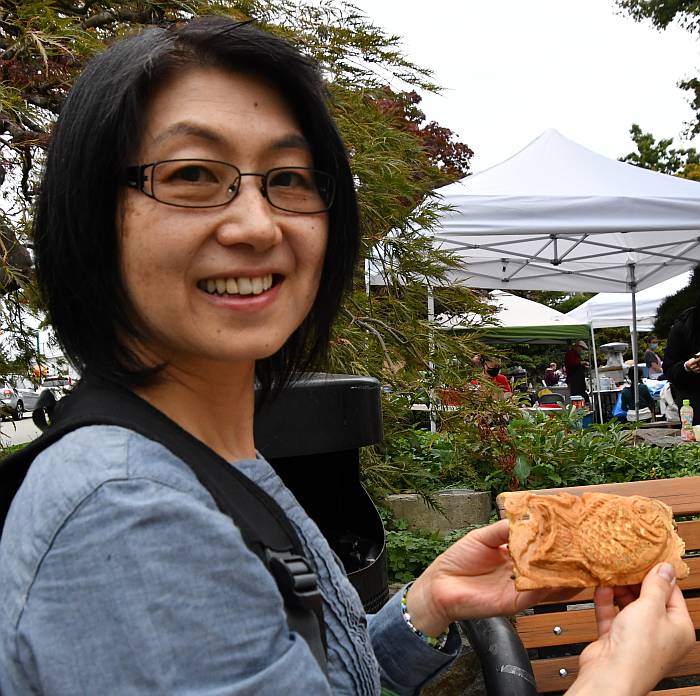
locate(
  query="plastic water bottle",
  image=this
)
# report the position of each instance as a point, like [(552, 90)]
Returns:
[(686, 414)]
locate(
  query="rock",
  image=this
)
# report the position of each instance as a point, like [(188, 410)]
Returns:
[(460, 508)]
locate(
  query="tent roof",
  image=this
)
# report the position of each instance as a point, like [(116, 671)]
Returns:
[(521, 321), (615, 309), (556, 216)]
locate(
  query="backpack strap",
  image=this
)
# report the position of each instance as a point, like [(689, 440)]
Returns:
[(263, 524)]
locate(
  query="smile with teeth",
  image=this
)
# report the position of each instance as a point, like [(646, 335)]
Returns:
[(236, 286)]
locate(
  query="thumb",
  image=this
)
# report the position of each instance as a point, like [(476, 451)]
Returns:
[(659, 583)]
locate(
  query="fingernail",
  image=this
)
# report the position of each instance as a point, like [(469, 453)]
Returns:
[(666, 571)]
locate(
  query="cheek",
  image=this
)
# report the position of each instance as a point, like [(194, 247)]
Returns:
[(143, 252), (317, 250)]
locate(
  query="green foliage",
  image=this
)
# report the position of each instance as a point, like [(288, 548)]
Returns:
[(663, 12), (687, 14), (409, 553), (561, 301), (673, 305), (554, 451), (412, 459), (661, 157)]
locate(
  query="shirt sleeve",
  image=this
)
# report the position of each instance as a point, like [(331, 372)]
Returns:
[(146, 587), (406, 662)]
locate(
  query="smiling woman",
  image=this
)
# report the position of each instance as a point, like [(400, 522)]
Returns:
[(198, 182)]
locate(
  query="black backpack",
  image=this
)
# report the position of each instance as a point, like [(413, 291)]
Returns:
[(261, 521)]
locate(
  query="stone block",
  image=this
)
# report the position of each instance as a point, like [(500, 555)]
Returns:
[(458, 508)]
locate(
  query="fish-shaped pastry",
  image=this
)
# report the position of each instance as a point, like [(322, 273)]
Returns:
[(564, 540)]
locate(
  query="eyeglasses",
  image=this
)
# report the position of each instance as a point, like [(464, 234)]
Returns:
[(199, 183)]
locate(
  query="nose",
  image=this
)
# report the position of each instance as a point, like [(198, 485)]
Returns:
[(249, 219)]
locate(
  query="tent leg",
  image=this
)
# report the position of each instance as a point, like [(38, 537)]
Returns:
[(635, 353), (597, 376), (431, 319)]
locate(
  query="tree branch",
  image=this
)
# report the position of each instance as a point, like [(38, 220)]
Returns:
[(375, 333)]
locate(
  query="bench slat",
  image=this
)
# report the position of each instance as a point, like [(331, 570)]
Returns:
[(548, 678), (690, 533), (682, 494), (537, 630)]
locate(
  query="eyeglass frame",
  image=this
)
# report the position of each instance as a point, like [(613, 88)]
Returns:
[(136, 179)]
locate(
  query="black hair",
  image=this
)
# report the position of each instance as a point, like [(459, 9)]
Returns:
[(98, 133), (630, 374)]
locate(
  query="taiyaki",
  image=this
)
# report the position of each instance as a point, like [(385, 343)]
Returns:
[(565, 540)]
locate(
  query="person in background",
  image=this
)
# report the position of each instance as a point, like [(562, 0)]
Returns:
[(646, 400), (551, 375), (652, 359), (575, 370), (492, 368), (681, 363)]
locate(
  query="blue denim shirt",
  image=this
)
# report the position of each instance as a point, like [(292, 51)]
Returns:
[(119, 575)]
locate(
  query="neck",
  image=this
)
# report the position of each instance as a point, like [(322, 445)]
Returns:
[(216, 406)]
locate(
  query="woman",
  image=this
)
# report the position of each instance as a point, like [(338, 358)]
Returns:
[(646, 400), (184, 246), (682, 359)]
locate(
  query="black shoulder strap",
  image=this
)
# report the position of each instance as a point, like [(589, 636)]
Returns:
[(263, 524)]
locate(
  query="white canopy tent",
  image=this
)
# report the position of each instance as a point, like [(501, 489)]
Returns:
[(556, 216), (609, 309)]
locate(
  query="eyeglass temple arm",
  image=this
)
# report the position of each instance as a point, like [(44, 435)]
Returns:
[(136, 176)]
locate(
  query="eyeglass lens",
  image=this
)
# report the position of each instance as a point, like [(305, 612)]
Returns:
[(204, 183)]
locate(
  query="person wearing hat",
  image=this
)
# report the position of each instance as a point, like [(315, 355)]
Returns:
[(575, 370)]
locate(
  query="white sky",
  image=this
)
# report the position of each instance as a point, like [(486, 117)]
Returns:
[(513, 68)]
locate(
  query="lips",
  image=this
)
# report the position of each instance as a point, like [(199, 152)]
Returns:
[(237, 286)]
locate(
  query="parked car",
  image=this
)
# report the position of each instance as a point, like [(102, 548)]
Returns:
[(58, 385), (17, 396)]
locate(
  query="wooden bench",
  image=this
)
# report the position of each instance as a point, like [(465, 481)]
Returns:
[(556, 634)]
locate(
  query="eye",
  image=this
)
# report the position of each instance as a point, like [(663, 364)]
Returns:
[(193, 173), (291, 178)]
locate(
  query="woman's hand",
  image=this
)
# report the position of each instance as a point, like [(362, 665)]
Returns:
[(636, 647), (472, 579), (692, 365)]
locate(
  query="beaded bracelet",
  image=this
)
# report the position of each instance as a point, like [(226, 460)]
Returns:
[(437, 643)]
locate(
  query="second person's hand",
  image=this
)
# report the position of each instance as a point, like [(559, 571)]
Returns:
[(638, 646)]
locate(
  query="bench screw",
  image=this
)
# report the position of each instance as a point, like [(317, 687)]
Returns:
[(563, 672), (556, 630)]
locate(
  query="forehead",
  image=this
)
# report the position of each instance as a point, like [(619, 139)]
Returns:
[(238, 111)]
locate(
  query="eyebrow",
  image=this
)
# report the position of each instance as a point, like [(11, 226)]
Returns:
[(291, 141)]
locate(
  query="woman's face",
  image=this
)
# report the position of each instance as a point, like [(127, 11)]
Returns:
[(199, 279)]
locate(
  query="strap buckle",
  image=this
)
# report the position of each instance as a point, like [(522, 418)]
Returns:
[(296, 579)]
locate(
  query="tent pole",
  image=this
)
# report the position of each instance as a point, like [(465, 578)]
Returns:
[(635, 380), (431, 349), (597, 376)]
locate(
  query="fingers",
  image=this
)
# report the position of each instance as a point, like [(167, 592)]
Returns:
[(494, 535), (659, 583), (626, 594), (676, 606), (605, 611)]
